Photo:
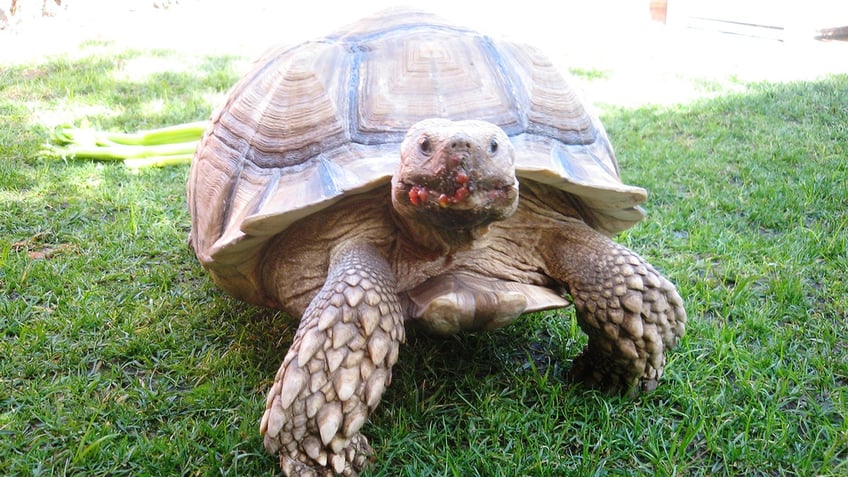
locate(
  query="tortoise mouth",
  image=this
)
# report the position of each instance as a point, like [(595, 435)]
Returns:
[(461, 195), (467, 205), (453, 188)]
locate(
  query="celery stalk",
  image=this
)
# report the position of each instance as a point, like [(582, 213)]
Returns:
[(159, 161), (166, 135), (119, 151), (152, 148)]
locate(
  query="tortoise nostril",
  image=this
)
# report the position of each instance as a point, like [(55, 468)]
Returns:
[(460, 144)]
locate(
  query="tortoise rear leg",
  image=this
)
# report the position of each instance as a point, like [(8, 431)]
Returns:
[(336, 369), (631, 313)]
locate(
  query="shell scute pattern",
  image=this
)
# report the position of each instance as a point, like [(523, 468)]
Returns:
[(322, 120)]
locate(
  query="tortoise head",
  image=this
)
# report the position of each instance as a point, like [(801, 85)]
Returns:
[(455, 175)]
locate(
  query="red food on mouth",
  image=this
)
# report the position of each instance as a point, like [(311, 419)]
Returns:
[(460, 193), (418, 194), (413, 196)]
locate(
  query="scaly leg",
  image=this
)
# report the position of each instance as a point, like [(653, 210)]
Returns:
[(631, 313), (336, 369)]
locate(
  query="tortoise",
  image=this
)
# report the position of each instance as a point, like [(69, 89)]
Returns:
[(404, 170)]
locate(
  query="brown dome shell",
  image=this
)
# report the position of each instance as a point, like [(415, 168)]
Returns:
[(317, 121)]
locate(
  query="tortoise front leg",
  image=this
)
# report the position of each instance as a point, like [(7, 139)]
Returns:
[(631, 313), (336, 369)]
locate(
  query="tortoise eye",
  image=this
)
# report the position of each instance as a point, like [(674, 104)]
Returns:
[(424, 145), (493, 146)]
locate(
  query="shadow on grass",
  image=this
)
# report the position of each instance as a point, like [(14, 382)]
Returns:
[(122, 357)]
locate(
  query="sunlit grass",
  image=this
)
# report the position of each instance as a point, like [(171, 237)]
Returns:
[(119, 357)]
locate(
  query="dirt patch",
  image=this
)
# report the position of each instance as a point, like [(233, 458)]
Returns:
[(36, 247)]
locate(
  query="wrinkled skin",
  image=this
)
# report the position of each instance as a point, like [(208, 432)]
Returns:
[(453, 245)]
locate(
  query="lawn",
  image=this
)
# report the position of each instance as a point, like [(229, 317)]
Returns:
[(118, 356)]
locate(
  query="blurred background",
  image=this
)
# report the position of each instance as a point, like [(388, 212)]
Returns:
[(646, 51)]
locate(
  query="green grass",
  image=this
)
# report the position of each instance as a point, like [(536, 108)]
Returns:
[(119, 357), (589, 74)]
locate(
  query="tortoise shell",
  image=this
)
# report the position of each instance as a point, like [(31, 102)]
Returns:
[(324, 119)]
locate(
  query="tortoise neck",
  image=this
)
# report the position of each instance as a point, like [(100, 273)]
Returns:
[(441, 240)]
